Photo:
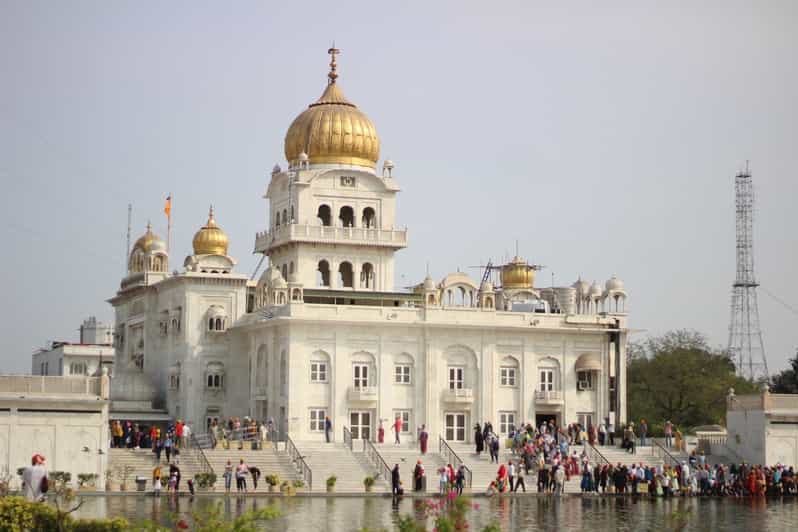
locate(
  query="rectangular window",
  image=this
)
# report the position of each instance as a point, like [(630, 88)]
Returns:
[(318, 372), (585, 420), (507, 376), (317, 416), (584, 380), (404, 415), (506, 423), (456, 377), (361, 375), (546, 380), (402, 374)]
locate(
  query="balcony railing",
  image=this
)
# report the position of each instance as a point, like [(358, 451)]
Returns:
[(391, 238), (363, 393), (548, 396), (458, 395)]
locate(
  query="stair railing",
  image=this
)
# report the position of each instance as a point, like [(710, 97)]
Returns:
[(299, 461), (660, 451), (348, 438), (199, 454), (595, 456), (452, 458), (377, 460)]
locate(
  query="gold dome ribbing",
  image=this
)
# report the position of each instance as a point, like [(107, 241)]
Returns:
[(149, 242), (210, 240), (517, 274), (333, 130)]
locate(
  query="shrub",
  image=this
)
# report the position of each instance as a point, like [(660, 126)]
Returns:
[(205, 480), (19, 514), (368, 481), (272, 479), (299, 484), (331, 480), (87, 479)]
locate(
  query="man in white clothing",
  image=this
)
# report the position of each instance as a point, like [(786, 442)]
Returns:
[(34, 483)]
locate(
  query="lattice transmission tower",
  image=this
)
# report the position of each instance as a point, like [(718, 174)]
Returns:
[(745, 336)]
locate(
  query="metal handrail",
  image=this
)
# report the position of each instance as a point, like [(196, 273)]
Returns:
[(203, 460), (452, 458), (348, 438), (376, 458), (299, 460), (663, 452), (596, 453)]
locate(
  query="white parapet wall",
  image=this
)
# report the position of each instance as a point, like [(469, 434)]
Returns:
[(65, 419)]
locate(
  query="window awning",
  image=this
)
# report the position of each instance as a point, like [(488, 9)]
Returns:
[(588, 362)]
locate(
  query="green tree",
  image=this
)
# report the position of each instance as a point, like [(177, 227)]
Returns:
[(787, 380), (679, 377)]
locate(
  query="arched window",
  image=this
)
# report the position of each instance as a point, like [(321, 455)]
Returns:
[(345, 274), (285, 216), (210, 324), (324, 215), (215, 376), (277, 219), (369, 218), (323, 273), (291, 215), (219, 324), (290, 268), (431, 299), (285, 271), (347, 216), (488, 302), (367, 276)]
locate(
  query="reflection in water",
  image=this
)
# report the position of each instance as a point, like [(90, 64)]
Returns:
[(511, 513)]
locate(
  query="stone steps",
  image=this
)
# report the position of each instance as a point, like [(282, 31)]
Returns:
[(406, 455), (268, 460), (142, 462), (326, 459)]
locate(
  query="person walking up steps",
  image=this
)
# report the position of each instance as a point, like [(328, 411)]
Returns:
[(397, 428), (519, 478)]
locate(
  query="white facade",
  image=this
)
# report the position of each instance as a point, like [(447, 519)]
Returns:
[(65, 419), (94, 351), (762, 429), (323, 333)]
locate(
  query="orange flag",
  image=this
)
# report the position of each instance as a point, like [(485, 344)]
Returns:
[(167, 209)]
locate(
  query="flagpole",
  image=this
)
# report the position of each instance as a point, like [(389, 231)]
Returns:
[(169, 226)]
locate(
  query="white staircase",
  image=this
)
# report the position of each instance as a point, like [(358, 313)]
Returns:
[(406, 455), (326, 459), (141, 463), (268, 460)]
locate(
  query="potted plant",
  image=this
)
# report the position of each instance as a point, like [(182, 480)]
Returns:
[(272, 480), (205, 481), (331, 480), (298, 484), (124, 473), (109, 483), (287, 488), (87, 481), (368, 482)]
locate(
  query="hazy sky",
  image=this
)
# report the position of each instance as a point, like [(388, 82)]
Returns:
[(604, 139)]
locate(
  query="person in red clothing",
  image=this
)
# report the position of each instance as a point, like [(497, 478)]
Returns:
[(179, 433), (153, 436), (397, 428)]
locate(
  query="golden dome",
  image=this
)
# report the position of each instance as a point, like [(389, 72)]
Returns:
[(333, 130), (518, 274), (210, 240), (149, 242)]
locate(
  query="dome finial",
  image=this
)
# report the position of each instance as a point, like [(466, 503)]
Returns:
[(333, 75)]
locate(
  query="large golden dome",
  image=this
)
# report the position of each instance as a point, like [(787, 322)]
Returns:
[(518, 274), (210, 239), (333, 130), (149, 242)]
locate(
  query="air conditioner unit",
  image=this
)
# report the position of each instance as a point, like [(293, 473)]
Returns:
[(582, 385)]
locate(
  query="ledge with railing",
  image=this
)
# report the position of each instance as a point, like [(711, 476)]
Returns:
[(299, 461), (348, 438), (452, 458), (377, 460)]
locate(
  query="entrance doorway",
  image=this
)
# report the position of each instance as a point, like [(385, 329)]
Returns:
[(455, 427), (360, 425), (545, 418)]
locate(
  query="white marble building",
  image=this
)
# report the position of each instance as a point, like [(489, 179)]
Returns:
[(323, 332), (94, 351)]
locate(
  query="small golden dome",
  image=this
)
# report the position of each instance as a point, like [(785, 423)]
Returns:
[(149, 242), (210, 240), (518, 274), (333, 130)]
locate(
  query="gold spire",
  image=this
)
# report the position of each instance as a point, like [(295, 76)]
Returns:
[(210, 239), (332, 130)]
